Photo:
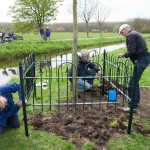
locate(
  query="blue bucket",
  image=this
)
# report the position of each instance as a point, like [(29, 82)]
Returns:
[(112, 96)]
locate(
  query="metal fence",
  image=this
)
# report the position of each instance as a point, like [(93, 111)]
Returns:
[(45, 83)]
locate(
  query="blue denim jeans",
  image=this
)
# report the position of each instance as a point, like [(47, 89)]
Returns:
[(86, 83), (141, 66)]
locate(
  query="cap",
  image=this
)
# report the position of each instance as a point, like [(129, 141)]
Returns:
[(122, 27)]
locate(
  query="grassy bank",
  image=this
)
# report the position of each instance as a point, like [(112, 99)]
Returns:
[(23, 48), (59, 43)]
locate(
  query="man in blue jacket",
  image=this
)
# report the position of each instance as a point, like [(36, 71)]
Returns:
[(86, 71), (8, 109), (136, 50), (47, 33)]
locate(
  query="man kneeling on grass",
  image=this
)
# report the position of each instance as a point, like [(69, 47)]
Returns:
[(85, 69), (8, 109)]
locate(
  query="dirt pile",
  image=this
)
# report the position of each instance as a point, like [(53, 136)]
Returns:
[(96, 125)]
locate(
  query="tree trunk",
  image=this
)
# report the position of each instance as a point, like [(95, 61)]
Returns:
[(74, 51), (100, 32), (87, 29)]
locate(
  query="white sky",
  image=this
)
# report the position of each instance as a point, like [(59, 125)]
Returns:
[(121, 10)]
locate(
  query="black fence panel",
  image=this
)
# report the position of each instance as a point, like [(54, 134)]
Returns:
[(46, 84)]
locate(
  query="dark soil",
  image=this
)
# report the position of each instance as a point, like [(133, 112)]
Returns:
[(96, 125)]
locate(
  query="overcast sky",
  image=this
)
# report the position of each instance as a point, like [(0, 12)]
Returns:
[(121, 10)]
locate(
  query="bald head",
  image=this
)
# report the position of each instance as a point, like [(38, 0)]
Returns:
[(3, 102)]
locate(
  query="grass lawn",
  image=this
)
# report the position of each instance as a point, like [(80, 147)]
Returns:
[(16, 139), (66, 35)]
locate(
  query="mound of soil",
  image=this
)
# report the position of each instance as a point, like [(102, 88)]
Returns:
[(96, 125)]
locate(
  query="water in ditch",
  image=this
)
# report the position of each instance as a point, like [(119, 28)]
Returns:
[(10, 69)]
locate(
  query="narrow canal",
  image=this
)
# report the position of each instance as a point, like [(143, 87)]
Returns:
[(10, 69)]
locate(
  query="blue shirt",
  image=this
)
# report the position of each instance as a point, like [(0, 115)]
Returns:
[(7, 91)]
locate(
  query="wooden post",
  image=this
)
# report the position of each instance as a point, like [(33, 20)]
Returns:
[(74, 51)]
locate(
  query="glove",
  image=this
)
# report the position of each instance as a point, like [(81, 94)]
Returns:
[(100, 73)]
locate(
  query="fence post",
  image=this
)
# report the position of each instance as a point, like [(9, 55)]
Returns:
[(104, 69), (33, 60), (132, 97), (23, 98)]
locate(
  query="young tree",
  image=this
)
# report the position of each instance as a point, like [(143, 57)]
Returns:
[(86, 10), (35, 12), (101, 15), (74, 50)]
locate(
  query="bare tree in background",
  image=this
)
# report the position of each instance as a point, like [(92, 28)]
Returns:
[(101, 15), (86, 10)]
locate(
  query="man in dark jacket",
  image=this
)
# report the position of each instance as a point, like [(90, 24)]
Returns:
[(42, 33), (8, 109), (136, 50), (86, 71)]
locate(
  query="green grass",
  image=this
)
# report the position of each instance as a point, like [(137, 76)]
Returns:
[(16, 139), (129, 142), (65, 35), (69, 35)]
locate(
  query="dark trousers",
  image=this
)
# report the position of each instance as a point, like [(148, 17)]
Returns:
[(12, 121), (141, 66)]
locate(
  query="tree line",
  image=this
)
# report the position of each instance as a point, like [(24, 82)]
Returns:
[(138, 24), (30, 15)]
